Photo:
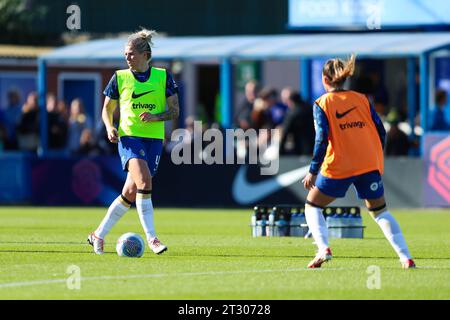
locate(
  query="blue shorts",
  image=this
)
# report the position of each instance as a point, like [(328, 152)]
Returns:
[(368, 185), (147, 149)]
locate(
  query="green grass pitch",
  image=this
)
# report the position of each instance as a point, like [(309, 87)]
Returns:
[(213, 256)]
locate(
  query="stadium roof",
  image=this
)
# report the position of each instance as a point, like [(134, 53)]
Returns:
[(15, 51), (263, 47)]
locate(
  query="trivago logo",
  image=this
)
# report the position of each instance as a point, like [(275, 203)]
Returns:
[(439, 170)]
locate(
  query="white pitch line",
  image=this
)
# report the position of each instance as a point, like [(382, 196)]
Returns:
[(183, 274), (30, 283), (156, 275)]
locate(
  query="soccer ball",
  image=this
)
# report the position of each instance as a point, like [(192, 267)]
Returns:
[(130, 245)]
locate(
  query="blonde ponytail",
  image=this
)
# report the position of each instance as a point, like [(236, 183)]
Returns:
[(141, 41), (147, 35), (337, 71)]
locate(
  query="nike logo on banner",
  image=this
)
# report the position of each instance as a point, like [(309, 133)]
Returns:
[(137, 95), (341, 115), (245, 192)]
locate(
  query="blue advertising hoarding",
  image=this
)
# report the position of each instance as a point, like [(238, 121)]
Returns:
[(367, 14), (436, 170)]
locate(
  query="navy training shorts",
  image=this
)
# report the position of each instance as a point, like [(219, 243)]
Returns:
[(368, 185), (147, 149)]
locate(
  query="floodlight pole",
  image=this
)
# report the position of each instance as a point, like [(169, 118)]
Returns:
[(42, 91)]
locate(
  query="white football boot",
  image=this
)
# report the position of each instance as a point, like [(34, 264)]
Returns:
[(156, 246), (320, 258), (408, 264), (96, 242)]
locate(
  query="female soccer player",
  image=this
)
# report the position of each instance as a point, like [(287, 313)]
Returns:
[(348, 150), (141, 92)]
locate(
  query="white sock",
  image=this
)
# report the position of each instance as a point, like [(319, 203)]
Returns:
[(392, 232), (115, 211), (318, 226), (144, 208)]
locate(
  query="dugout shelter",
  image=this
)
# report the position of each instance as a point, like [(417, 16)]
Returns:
[(418, 48)]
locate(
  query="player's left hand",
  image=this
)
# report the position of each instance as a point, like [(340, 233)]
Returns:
[(309, 181), (147, 117)]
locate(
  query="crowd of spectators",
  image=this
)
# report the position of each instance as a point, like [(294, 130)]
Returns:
[(264, 108), (70, 129), (72, 132)]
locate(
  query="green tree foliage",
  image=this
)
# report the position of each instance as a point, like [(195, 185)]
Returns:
[(17, 18)]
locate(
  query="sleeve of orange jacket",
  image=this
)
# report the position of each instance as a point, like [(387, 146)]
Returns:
[(321, 141), (379, 125)]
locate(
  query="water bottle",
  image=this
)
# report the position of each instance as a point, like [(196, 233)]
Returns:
[(345, 219), (295, 225), (348, 225), (263, 223), (271, 224), (358, 220), (302, 220), (259, 221), (330, 218), (359, 223), (282, 227), (340, 217), (356, 225), (254, 225), (333, 223)]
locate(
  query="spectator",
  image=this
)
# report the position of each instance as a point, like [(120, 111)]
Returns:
[(63, 110), (88, 145), (28, 126), (285, 95), (260, 120), (243, 115), (438, 120), (12, 116), (275, 109), (259, 116), (379, 92), (298, 127), (397, 142), (102, 139), (57, 126), (78, 121)]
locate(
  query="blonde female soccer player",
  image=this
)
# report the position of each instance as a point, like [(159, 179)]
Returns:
[(141, 92), (348, 150)]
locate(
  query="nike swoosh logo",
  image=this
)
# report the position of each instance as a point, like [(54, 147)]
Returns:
[(137, 95), (340, 115), (246, 193)]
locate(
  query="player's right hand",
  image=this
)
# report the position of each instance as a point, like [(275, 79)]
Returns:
[(113, 135), (309, 181)]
